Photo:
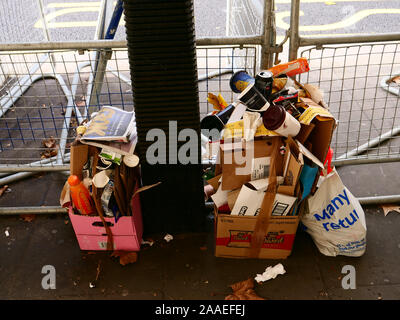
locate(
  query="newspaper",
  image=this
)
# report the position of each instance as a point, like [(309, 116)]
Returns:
[(113, 129), (110, 124)]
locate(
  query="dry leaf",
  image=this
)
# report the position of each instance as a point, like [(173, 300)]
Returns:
[(125, 257), (204, 248), (243, 291), (28, 217), (395, 80), (390, 207), (81, 103), (3, 189), (49, 142), (52, 148)]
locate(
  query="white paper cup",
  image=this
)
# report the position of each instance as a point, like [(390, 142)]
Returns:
[(289, 127), (101, 179), (277, 119), (131, 160)]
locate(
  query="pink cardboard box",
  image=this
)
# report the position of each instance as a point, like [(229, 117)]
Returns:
[(127, 232)]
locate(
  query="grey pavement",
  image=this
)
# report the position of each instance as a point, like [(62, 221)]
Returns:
[(186, 267)]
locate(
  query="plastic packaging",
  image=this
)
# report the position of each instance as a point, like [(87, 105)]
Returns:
[(80, 196), (105, 198)]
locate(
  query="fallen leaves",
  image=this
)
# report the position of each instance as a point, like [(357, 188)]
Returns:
[(28, 217), (3, 189), (243, 290), (51, 148), (390, 207), (125, 257)]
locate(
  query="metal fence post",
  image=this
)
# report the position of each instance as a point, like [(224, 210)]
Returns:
[(294, 29), (268, 35)]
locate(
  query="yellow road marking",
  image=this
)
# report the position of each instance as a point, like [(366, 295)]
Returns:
[(72, 7), (280, 23)]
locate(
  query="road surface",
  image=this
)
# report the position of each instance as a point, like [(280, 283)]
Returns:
[(76, 19)]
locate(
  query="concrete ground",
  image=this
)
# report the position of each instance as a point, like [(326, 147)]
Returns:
[(186, 268)]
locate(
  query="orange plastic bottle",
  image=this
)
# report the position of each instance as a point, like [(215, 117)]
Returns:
[(291, 68), (80, 195)]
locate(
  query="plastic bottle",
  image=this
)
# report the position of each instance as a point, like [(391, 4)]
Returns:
[(291, 68), (80, 195)]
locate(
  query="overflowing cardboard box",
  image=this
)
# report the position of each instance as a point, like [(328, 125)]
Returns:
[(263, 220), (100, 232), (126, 233), (233, 236)]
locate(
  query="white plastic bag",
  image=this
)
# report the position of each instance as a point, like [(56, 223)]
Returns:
[(335, 219)]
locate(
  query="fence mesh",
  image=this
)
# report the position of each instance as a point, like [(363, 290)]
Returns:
[(44, 96), (357, 81)]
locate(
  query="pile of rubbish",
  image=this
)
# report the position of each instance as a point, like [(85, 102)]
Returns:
[(273, 169)]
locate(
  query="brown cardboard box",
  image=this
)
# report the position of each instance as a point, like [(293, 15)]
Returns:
[(293, 165), (233, 236), (323, 124), (261, 148)]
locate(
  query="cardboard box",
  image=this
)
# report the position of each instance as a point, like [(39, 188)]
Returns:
[(319, 137), (250, 198), (233, 236), (89, 230), (293, 165), (126, 233), (254, 157)]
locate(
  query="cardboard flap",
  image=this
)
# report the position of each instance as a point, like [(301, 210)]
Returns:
[(238, 165), (260, 230), (65, 197), (305, 131), (79, 157), (214, 182), (220, 197), (258, 185), (309, 155), (293, 164)]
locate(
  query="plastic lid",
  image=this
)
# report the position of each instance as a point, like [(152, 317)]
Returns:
[(273, 117), (73, 180)]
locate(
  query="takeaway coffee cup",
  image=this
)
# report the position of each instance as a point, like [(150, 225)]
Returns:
[(217, 121), (240, 80), (253, 99), (277, 119)]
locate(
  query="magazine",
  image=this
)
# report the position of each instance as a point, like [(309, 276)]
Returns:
[(110, 124)]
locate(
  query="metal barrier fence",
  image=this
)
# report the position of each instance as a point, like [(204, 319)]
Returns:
[(44, 95), (354, 73), (44, 98)]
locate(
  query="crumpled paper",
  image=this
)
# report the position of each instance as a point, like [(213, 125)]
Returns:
[(251, 121), (270, 273)]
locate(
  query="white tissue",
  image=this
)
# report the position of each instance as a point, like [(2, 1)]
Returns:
[(270, 273)]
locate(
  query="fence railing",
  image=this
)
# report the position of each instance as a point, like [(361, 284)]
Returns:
[(45, 84)]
